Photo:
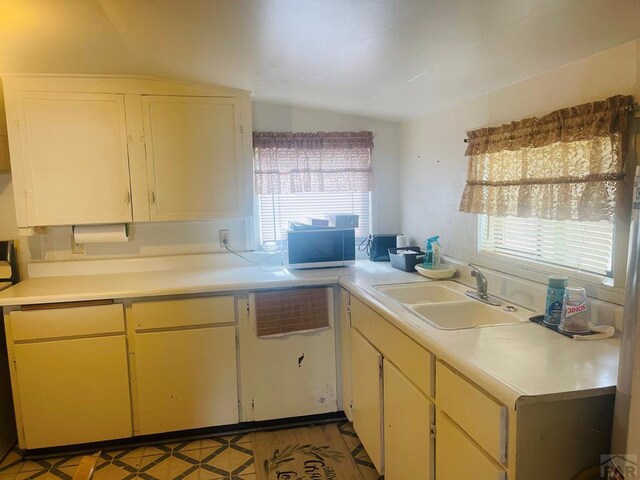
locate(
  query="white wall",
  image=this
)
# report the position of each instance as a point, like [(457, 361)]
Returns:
[(385, 198), (202, 237), (434, 164)]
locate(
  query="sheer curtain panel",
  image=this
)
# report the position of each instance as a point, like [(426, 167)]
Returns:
[(292, 163), (567, 165)]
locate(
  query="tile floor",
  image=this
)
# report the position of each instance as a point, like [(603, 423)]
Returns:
[(228, 457)]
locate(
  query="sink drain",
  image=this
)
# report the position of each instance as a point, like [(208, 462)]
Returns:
[(510, 308)]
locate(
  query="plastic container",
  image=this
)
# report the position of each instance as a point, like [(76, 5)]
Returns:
[(574, 318), (556, 286), (406, 262), (435, 265)]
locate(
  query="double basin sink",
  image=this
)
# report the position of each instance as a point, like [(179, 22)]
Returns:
[(445, 305)]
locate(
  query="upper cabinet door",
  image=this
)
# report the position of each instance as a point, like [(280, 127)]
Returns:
[(194, 157), (72, 154)]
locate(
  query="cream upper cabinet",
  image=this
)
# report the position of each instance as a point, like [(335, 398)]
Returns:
[(194, 157), (94, 150), (74, 164), (5, 165)]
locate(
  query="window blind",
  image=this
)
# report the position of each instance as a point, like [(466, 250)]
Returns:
[(581, 246), (277, 210)]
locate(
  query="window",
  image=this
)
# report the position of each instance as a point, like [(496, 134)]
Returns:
[(582, 246), (299, 176), (547, 189), (276, 211)]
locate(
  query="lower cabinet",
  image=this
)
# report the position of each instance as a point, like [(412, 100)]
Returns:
[(184, 372), (70, 375), (186, 379), (483, 418), (408, 440), (81, 373), (458, 456), (391, 416), (367, 397)]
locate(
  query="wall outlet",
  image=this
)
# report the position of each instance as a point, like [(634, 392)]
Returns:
[(225, 237)]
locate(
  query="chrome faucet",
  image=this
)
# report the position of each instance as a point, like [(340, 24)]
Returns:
[(482, 288)]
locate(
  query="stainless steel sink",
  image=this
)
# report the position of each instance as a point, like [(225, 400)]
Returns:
[(445, 306)]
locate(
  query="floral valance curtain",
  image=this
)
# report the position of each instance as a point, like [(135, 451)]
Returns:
[(567, 165), (337, 162)]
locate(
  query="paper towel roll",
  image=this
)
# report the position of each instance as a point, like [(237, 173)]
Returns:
[(100, 233)]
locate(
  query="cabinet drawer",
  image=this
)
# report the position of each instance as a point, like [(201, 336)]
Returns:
[(481, 417), (66, 322), (458, 457), (416, 363), (183, 312)]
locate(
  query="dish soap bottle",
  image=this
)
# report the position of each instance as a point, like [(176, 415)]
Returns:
[(429, 259)]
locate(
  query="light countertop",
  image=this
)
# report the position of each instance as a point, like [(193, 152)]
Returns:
[(521, 363), (518, 364), (75, 288)]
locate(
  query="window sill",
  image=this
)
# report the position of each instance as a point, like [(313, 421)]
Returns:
[(597, 287)]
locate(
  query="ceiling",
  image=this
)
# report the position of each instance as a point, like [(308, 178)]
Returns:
[(394, 59)]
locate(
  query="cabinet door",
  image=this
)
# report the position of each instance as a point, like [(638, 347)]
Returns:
[(194, 157), (345, 351), (73, 391), (366, 388), (457, 456), (186, 379), (5, 166), (73, 157), (408, 416)]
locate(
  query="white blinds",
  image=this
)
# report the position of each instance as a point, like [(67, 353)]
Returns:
[(582, 246), (276, 211)]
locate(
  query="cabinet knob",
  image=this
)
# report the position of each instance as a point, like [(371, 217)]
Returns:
[(127, 198), (152, 197)]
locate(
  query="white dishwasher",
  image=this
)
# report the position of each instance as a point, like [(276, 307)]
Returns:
[(293, 352)]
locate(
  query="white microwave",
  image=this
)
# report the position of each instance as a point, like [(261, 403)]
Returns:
[(327, 247)]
